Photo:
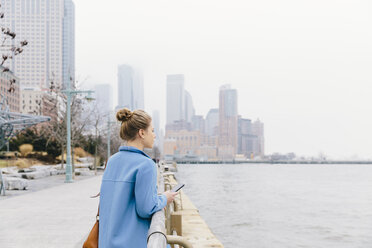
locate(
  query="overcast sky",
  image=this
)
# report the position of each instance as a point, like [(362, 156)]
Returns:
[(302, 67)]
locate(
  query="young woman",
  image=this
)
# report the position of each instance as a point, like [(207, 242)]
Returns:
[(128, 196)]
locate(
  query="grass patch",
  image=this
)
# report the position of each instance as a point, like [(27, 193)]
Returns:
[(3, 163)]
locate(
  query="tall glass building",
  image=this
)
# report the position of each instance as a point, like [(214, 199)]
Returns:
[(130, 88), (68, 49), (48, 26), (228, 122), (176, 98)]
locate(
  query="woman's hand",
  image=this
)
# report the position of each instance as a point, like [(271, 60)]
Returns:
[(170, 196)]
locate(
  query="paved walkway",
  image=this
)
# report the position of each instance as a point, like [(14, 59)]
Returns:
[(59, 216)]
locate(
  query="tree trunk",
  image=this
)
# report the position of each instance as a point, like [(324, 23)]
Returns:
[(72, 161), (62, 156), (95, 153)]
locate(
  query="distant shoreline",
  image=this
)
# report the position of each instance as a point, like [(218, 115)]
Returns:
[(274, 162)]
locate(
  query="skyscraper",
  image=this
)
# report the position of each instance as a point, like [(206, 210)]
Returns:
[(158, 132), (175, 98), (246, 140), (189, 107), (211, 122), (156, 123), (48, 26), (198, 123), (103, 98), (228, 122), (12, 97), (68, 49), (258, 130), (130, 88)]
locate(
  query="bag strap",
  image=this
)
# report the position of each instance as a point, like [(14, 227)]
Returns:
[(97, 216)]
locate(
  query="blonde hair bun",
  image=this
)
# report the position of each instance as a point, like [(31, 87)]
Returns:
[(124, 115)]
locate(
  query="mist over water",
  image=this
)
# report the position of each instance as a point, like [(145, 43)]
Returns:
[(283, 206)]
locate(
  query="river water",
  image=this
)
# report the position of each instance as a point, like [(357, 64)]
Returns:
[(283, 206)]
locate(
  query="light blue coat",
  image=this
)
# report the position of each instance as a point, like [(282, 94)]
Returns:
[(128, 199)]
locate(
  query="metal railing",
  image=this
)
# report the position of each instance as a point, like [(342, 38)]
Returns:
[(160, 231)]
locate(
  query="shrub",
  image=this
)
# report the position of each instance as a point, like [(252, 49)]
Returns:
[(79, 152), (25, 149), (21, 164), (53, 149)]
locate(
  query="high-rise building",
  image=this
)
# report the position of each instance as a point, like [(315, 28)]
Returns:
[(198, 123), (180, 106), (182, 142), (156, 122), (189, 107), (258, 130), (48, 26), (246, 140), (175, 98), (159, 140), (228, 122), (179, 125), (103, 98), (31, 101), (68, 49), (211, 122), (9, 90), (130, 88)]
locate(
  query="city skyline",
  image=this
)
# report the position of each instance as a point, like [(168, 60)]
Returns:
[(222, 134), (301, 68)]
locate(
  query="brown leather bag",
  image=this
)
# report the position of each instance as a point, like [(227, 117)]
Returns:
[(92, 240)]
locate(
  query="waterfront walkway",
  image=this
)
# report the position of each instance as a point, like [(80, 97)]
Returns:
[(58, 216)]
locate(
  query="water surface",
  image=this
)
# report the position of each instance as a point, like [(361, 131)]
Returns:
[(283, 206)]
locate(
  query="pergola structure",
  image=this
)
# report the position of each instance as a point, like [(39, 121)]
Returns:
[(11, 123)]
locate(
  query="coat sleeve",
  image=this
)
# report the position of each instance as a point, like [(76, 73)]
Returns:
[(147, 199)]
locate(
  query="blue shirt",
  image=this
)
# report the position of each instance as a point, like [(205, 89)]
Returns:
[(128, 199)]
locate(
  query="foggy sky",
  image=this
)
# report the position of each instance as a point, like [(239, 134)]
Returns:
[(301, 67)]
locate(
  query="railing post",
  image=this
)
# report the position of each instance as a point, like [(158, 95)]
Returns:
[(176, 223), (179, 240)]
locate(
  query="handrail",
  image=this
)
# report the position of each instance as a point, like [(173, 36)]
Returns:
[(179, 240), (157, 237)]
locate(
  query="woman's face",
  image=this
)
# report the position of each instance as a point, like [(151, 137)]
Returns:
[(149, 137)]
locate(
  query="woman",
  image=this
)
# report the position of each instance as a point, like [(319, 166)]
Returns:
[(128, 196)]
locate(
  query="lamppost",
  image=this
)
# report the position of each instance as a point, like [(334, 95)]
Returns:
[(69, 92)]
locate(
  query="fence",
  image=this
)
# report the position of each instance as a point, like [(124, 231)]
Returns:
[(166, 225)]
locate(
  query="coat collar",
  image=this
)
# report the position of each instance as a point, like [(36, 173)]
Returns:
[(133, 149)]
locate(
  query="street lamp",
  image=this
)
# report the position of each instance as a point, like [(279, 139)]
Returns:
[(69, 92)]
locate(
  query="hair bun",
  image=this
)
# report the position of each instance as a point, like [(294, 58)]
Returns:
[(124, 115)]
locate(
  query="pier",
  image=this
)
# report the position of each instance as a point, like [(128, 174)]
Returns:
[(186, 220), (273, 162), (61, 215), (58, 216)]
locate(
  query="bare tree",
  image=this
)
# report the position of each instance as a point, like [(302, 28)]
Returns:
[(97, 123), (54, 105), (9, 49)]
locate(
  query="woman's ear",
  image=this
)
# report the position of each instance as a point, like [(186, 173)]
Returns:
[(141, 133)]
